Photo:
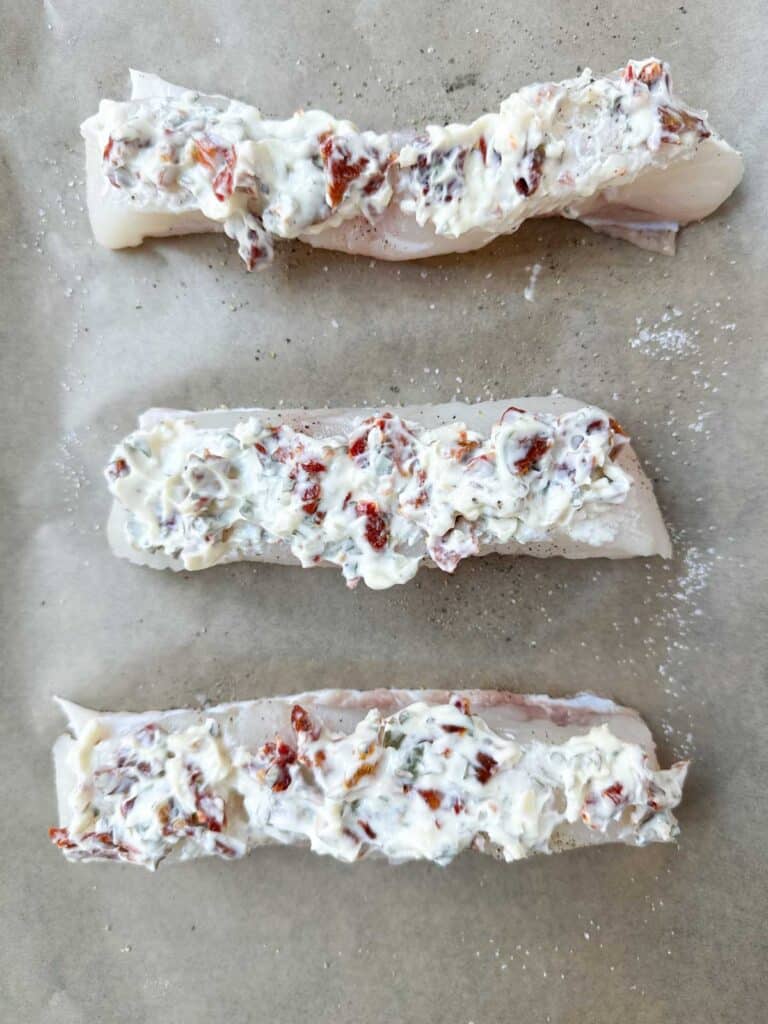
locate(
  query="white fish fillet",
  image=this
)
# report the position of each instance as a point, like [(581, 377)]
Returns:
[(636, 524), (528, 721), (642, 191)]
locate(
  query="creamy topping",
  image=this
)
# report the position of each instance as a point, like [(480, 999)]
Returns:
[(424, 783), (375, 502), (548, 149)]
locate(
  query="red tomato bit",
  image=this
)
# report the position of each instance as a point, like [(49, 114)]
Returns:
[(310, 498), (210, 811), (615, 793), (432, 797), (340, 168), (485, 767), (462, 704), (538, 447), (358, 446), (210, 154), (118, 468), (302, 723), (650, 73), (60, 836), (528, 184), (366, 828), (376, 532), (280, 756)]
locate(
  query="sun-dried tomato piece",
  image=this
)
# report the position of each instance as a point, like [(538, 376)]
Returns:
[(615, 793), (340, 168), (220, 161), (118, 468), (210, 811), (107, 847), (485, 767), (528, 184), (60, 836), (314, 467), (537, 447), (256, 254), (358, 446), (461, 729), (366, 828), (302, 723), (650, 73), (376, 532), (464, 447), (281, 756), (462, 704), (108, 148), (310, 498), (482, 145), (432, 797), (675, 122), (224, 182)]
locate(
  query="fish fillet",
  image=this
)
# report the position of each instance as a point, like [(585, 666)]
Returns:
[(404, 774), (620, 153), (380, 493)]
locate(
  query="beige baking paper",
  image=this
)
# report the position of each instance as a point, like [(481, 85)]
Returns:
[(675, 348)]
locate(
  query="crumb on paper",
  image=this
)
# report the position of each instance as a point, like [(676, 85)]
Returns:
[(529, 291)]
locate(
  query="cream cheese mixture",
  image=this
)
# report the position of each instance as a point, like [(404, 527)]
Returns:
[(377, 501)]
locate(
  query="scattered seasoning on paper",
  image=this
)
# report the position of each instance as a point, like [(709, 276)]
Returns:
[(665, 338), (680, 607)]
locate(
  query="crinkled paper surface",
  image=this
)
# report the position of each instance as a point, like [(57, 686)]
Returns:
[(673, 347)]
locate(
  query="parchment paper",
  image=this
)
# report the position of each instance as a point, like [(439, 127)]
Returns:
[(674, 347)]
